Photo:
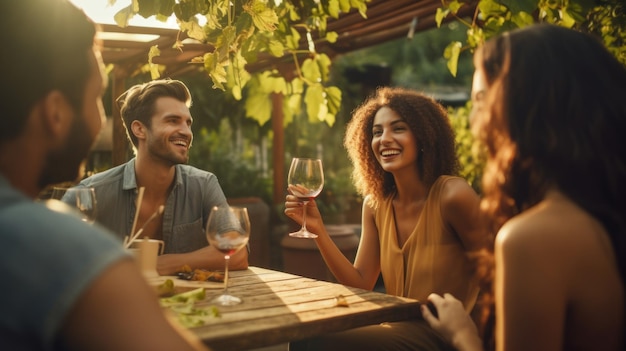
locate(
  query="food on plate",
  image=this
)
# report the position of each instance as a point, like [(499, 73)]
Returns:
[(200, 274)]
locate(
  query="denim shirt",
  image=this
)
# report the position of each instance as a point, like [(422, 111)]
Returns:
[(187, 208)]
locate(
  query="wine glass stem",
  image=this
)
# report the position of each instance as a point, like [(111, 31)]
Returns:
[(304, 216), (226, 260)]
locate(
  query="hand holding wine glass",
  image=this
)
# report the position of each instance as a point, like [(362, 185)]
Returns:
[(228, 231), (82, 199), (306, 180)]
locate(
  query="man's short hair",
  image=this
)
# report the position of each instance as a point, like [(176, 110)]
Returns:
[(138, 102), (46, 47)]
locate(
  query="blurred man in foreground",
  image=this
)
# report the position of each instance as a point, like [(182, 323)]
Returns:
[(66, 284)]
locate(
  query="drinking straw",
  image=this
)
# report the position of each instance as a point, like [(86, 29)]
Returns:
[(136, 235), (138, 205)]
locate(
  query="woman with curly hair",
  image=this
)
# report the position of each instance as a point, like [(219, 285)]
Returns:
[(550, 108), (419, 219)]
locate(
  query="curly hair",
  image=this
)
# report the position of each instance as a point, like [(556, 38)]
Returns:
[(138, 102), (429, 123)]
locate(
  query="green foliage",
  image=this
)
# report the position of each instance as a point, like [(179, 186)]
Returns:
[(471, 159), (606, 18), (338, 192), (232, 160), (248, 31)]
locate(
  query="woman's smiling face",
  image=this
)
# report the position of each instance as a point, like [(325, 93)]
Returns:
[(393, 142)]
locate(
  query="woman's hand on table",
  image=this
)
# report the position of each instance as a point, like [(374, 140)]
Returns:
[(452, 322)]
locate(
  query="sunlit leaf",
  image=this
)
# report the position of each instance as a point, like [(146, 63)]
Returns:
[(475, 36), (154, 68), (323, 62), (258, 106), (522, 19), (193, 29), (344, 5), (291, 12), (123, 16), (263, 17), (332, 37), (440, 16), (311, 71), (291, 107), (272, 82), (216, 71), (455, 6), (451, 53), (333, 97), (567, 20), (296, 86), (293, 40), (237, 76), (360, 6), (315, 104), (491, 8), (330, 119), (276, 48), (333, 8)]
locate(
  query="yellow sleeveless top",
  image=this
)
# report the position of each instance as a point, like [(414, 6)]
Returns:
[(431, 260)]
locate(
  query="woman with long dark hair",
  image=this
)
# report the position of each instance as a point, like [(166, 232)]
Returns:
[(550, 109)]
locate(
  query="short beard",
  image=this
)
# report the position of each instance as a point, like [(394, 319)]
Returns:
[(68, 162)]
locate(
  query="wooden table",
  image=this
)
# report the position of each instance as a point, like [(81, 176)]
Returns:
[(279, 307)]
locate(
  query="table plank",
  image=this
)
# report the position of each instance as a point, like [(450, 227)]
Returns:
[(279, 307)]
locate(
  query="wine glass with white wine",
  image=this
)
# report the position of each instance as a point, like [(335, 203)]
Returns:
[(228, 231), (306, 180)]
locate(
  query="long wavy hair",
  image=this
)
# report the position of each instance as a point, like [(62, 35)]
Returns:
[(429, 123), (554, 116)]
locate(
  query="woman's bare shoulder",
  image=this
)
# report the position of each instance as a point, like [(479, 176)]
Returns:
[(457, 194), (555, 223)]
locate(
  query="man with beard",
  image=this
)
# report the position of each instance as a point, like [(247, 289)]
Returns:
[(158, 124), (66, 284)]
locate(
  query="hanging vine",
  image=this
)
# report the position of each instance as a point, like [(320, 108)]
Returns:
[(244, 32), (605, 18)]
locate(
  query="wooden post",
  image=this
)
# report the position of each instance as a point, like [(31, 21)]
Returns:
[(119, 152), (278, 148)]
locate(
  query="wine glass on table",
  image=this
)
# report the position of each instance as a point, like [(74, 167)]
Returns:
[(306, 180), (228, 231), (82, 199)]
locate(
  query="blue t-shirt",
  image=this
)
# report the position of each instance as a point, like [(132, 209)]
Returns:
[(47, 260)]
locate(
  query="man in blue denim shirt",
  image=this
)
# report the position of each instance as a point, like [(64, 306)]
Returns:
[(158, 123)]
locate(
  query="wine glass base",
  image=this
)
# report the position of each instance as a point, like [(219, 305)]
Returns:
[(226, 300), (303, 234)]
